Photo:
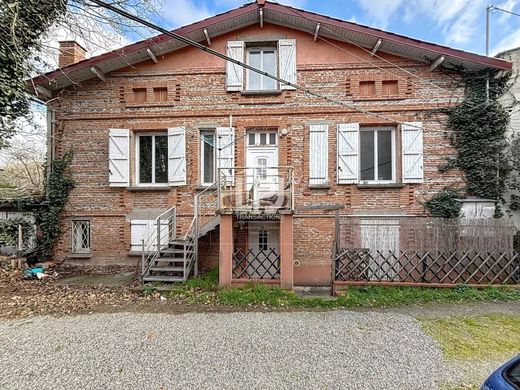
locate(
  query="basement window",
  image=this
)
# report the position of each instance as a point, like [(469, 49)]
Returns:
[(367, 88), (80, 236), (139, 95), (152, 159), (389, 88)]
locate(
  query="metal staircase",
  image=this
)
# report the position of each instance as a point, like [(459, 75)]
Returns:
[(168, 258)]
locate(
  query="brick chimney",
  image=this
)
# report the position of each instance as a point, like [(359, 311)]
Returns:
[(70, 53)]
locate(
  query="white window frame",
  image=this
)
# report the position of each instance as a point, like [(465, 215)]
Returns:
[(262, 49), (138, 159), (257, 133), (202, 142), (81, 251), (392, 136)]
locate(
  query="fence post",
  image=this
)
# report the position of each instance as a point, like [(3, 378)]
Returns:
[(20, 237), (196, 238)]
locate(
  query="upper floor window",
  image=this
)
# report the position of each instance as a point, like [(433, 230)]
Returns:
[(265, 60), (152, 159), (376, 154), (139, 95)]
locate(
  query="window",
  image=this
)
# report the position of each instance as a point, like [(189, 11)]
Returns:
[(207, 153), (367, 88), (262, 138), (139, 95), (263, 59), (152, 159), (389, 88), (512, 375), (262, 239), (376, 155), (261, 170), (160, 94), (81, 236)]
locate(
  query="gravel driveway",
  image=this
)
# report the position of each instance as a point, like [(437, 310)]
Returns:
[(319, 350)]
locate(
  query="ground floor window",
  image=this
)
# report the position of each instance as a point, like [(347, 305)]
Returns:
[(81, 236), (377, 154), (152, 159)]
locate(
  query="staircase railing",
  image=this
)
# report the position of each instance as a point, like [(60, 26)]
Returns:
[(157, 237), (205, 207)]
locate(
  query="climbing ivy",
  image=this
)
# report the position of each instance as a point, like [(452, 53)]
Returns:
[(479, 135), (9, 231), (444, 204), (48, 215)]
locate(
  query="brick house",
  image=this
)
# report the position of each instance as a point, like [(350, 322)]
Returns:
[(209, 164)]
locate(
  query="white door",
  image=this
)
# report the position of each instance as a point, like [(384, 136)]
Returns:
[(262, 180), (382, 236), (263, 240)]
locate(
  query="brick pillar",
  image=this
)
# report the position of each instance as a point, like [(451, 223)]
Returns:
[(226, 249), (286, 251)]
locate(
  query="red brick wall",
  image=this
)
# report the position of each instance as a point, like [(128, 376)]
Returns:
[(197, 98)]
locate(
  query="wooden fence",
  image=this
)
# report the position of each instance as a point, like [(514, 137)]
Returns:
[(424, 251)]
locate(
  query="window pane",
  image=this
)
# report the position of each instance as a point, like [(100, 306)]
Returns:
[(384, 155), (161, 159), (253, 77), (145, 159), (513, 374), (263, 138), (269, 67), (272, 138), (367, 155), (208, 155), (262, 240), (251, 138)]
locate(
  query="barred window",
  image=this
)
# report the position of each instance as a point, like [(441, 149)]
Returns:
[(81, 236)]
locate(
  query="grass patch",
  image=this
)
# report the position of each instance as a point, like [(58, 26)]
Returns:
[(204, 289), (476, 337)]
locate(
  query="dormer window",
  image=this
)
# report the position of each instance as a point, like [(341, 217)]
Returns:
[(264, 59)]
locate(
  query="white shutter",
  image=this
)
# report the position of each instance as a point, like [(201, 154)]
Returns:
[(235, 73), (412, 146), (141, 229), (318, 155), (177, 156), (287, 61), (347, 153), (226, 152), (118, 157)]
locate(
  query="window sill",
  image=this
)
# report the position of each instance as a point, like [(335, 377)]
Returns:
[(377, 98), (380, 185), (269, 92), (150, 188), (80, 255), (319, 186)]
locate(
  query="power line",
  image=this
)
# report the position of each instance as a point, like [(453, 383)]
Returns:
[(206, 49)]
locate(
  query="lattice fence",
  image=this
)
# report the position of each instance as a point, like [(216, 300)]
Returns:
[(256, 264), (425, 250), (364, 265)]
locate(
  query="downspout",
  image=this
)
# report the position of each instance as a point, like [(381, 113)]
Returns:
[(51, 122)]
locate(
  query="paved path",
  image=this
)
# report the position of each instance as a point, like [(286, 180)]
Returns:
[(319, 350)]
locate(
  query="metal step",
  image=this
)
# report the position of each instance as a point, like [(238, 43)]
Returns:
[(170, 259), (163, 278), (175, 250), (166, 269), (179, 242)]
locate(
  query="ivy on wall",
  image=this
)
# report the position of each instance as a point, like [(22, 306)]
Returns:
[(48, 217), (479, 135)]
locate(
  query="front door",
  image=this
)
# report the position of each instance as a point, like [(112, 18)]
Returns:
[(263, 246), (262, 178)]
